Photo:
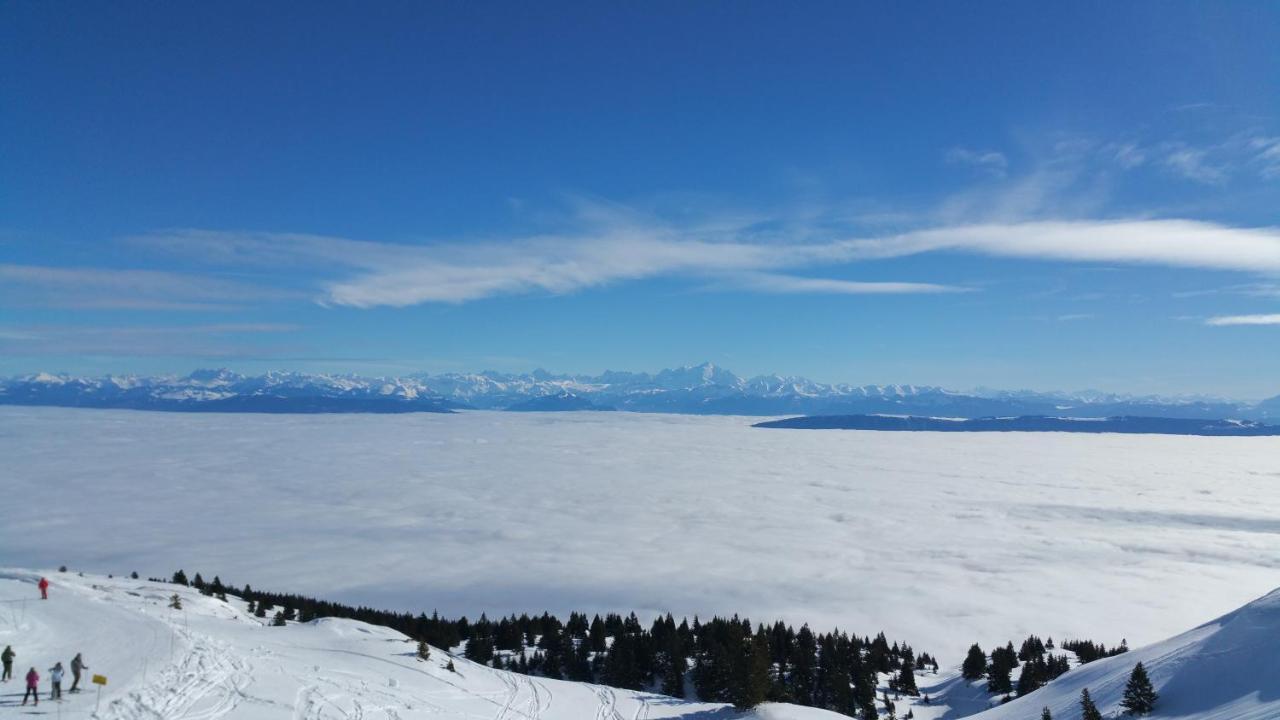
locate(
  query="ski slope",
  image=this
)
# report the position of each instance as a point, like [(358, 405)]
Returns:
[(213, 660)]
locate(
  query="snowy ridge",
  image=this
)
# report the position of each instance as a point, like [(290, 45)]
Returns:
[(211, 660), (700, 389), (1226, 669)]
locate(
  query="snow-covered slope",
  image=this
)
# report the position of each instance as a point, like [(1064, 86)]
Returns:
[(211, 660), (1227, 669)]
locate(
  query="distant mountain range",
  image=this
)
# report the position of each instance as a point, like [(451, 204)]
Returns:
[(702, 389), (1126, 424)]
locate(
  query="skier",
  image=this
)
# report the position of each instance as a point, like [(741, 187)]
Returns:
[(6, 657), (55, 678), (77, 666), (33, 687), (44, 588)]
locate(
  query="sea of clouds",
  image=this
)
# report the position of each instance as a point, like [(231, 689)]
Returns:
[(938, 539)]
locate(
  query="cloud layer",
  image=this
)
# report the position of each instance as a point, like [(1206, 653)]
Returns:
[(1229, 320), (366, 274)]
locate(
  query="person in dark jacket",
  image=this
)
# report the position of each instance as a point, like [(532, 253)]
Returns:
[(77, 667), (33, 687), (6, 658)]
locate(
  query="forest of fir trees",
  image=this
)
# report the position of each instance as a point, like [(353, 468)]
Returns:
[(719, 660)]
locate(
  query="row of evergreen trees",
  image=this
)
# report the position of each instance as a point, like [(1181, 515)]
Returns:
[(725, 659), (1038, 666)]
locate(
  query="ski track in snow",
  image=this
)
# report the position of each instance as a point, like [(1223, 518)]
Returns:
[(207, 683), (608, 709)]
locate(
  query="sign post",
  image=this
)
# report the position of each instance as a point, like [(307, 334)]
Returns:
[(99, 680)]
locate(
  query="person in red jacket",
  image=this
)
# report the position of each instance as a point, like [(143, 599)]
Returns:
[(33, 687), (44, 588)]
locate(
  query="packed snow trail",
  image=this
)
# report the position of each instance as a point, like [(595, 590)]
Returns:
[(211, 660)]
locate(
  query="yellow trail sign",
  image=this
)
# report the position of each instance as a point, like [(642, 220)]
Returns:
[(99, 679)]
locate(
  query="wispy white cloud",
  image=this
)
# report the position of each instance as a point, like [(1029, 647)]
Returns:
[(1267, 156), (203, 340), (1194, 164), (610, 250), (1128, 155), (1230, 320), (796, 285), (989, 161), (112, 289), (1173, 243)]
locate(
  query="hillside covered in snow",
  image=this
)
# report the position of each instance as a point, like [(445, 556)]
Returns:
[(168, 651), (703, 389), (211, 659)]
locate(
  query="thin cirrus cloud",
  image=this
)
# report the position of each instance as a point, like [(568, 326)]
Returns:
[(781, 284), (112, 289), (989, 161), (1232, 320), (205, 340), (365, 274)]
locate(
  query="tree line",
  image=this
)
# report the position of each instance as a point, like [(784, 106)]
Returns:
[(723, 659)]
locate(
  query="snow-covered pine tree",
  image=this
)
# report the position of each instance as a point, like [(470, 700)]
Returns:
[(424, 650), (975, 663), (1139, 696), (1088, 711), (906, 680), (1045, 714)]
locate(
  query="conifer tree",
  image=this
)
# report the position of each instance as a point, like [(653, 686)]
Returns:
[(424, 650), (278, 620), (597, 634), (752, 682), (175, 602), (673, 675), (1045, 714), (180, 578), (450, 668), (1088, 711), (1139, 696), (906, 681), (975, 663), (998, 678)]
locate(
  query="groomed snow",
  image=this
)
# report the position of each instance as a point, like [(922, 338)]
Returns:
[(211, 660), (940, 540)]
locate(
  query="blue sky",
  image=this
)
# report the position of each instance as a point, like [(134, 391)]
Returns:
[(1003, 194)]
